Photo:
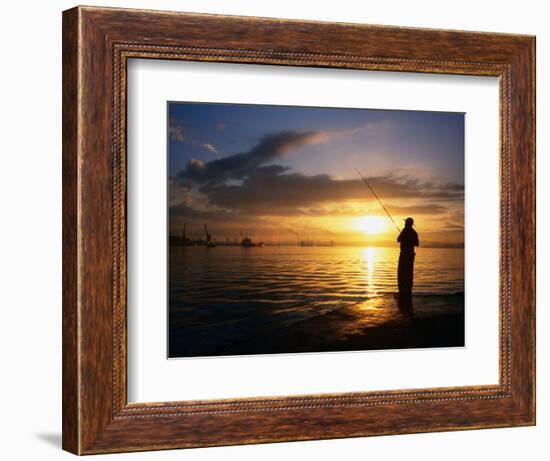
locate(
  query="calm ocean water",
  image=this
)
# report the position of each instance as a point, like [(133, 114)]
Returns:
[(222, 296)]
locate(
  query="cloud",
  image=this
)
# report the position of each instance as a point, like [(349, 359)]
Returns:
[(185, 211), (175, 132), (196, 164), (339, 209), (243, 165), (210, 148), (271, 190)]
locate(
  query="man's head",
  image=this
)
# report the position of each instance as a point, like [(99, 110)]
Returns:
[(409, 222)]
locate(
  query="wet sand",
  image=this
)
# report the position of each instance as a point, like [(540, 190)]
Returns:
[(378, 323)]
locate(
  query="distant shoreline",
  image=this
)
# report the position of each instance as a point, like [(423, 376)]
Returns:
[(322, 244)]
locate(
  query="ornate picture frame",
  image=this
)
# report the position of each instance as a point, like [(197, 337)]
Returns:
[(97, 44)]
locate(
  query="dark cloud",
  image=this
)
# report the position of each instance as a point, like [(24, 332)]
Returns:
[(239, 166), (184, 211), (342, 210), (249, 182), (270, 193)]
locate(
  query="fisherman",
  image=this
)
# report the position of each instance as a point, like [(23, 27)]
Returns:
[(408, 238)]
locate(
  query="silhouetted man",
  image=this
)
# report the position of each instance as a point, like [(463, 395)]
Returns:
[(408, 238)]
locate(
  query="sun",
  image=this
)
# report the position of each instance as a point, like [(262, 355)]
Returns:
[(372, 224)]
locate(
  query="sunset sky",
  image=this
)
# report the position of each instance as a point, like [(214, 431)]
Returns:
[(283, 174)]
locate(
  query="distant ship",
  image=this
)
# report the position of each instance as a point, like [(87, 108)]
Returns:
[(248, 243), (327, 244), (306, 243)]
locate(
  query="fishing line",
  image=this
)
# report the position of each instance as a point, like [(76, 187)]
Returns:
[(379, 201)]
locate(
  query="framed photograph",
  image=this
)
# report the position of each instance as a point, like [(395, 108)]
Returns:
[(281, 230)]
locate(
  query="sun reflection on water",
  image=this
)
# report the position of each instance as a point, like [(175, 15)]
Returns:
[(369, 255)]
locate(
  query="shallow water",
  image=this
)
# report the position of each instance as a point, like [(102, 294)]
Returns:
[(224, 300)]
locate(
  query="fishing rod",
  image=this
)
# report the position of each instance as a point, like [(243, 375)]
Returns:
[(377, 198)]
